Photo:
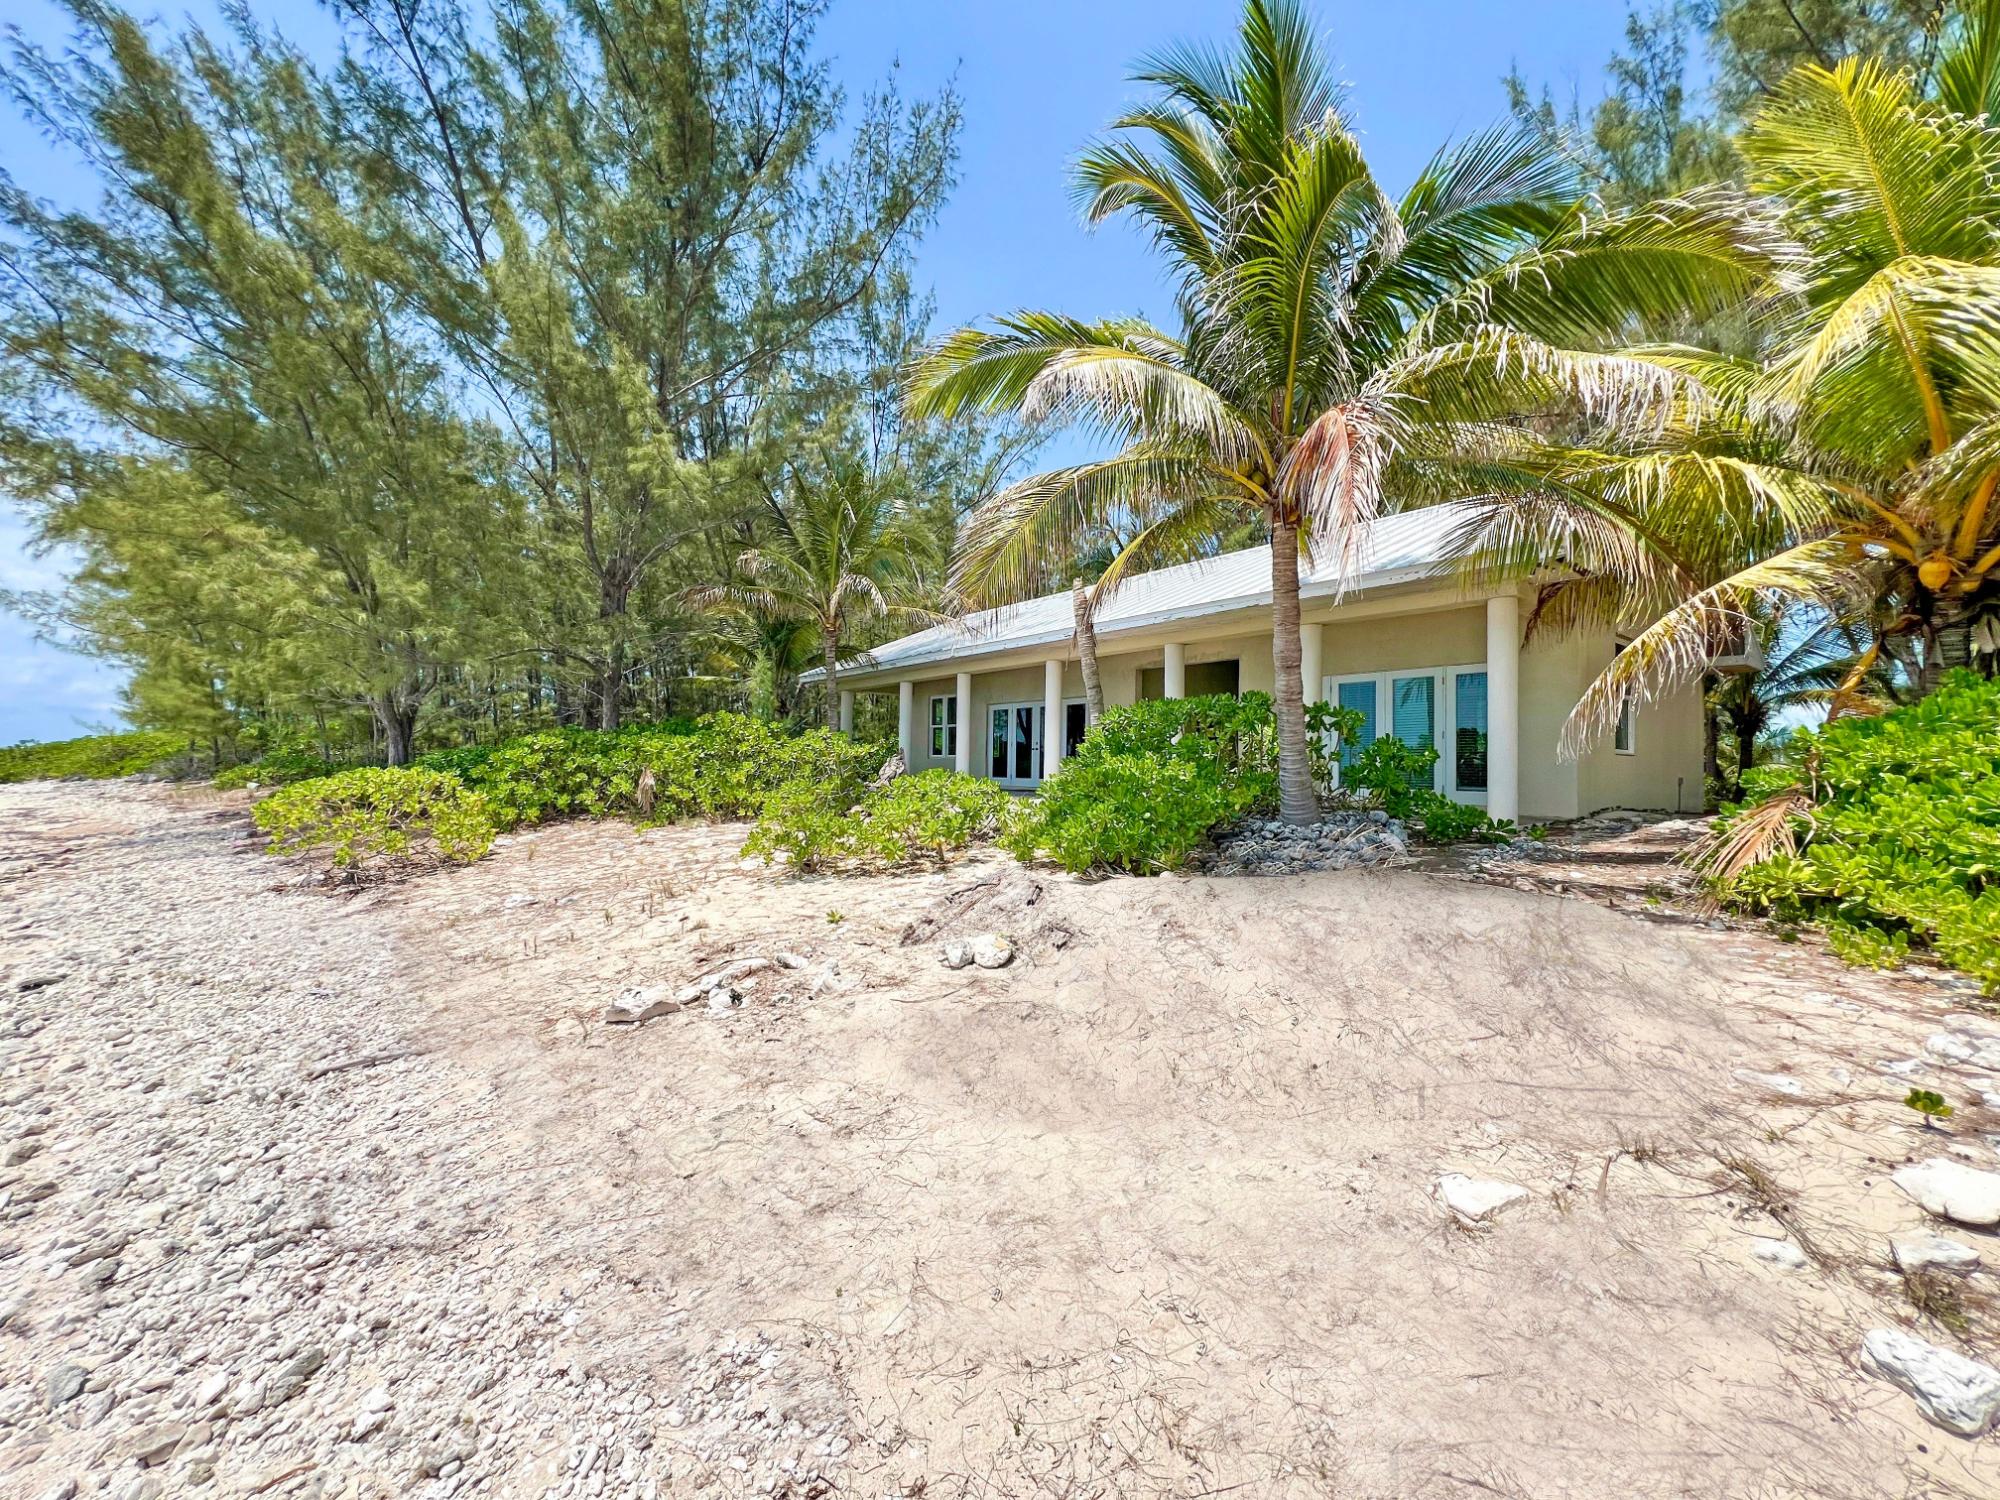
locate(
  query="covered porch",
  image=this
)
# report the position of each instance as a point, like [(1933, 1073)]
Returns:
[(1431, 667)]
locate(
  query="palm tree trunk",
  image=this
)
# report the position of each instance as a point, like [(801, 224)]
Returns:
[(1296, 802), (1086, 650), (830, 656)]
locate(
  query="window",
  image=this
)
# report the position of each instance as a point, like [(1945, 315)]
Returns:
[(1468, 738), (1203, 679), (1075, 723), (1624, 739), (1360, 696), (1413, 719), (944, 726)]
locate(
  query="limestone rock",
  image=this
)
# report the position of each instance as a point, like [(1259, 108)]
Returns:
[(1780, 1253), (640, 1003), (1958, 1394), (1925, 1251), (956, 954), (1475, 1200), (992, 950), (1952, 1190), (65, 1384)]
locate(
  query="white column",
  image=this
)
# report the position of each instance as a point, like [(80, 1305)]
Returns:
[(1176, 673), (1503, 707), (906, 722), (962, 762), (1310, 670), (1052, 715), (846, 711)]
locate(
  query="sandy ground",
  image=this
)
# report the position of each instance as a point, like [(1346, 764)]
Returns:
[(1150, 1212)]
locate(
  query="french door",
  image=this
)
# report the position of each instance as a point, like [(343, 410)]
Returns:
[(1014, 740), (1442, 708), (1014, 743)]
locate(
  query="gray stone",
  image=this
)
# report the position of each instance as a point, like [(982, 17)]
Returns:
[(1475, 1200), (1958, 1394), (956, 954), (1952, 1190), (65, 1384)]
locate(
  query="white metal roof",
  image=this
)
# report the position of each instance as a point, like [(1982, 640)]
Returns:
[(1393, 549)]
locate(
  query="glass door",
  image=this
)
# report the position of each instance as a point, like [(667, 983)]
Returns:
[(1014, 743)]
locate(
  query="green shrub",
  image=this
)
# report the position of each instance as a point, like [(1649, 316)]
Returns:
[(1443, 821), (284, 767), (1389, 774), (1900, 846), (722, 766), (1136, 812), (379, 813), (96, 757), (922, 818), (463, 761)]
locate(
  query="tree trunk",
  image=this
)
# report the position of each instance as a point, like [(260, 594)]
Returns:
[(830, 657), (1085, 608), (398, 724), (610, 688), (1296, 800)]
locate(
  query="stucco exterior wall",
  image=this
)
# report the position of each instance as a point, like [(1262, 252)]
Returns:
[(1663, 773)]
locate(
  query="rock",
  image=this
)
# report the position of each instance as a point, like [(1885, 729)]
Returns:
[(1474, 1200), (723, 999), (1962, 1045), (38, 982), (640, 1003), (154, 1444), (1958, 1394), (1776, 1083), (292, 1377), (62, 1489), (956, 954), (1780, 1253), (992, 950), (65, 1384), (1922, 1250), (1952, 1190)]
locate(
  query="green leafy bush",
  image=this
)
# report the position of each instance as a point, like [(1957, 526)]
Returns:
[(463, 761), (1394, 776), (1140, 813), (283, 767), (378, 813), (97, 757), (1899, 846), (722, 766), (922, 818), (1143, 791)]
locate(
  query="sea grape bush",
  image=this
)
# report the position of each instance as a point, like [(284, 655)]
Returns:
[(97, 757), (379, 815), (920, 819), (1900, 847)]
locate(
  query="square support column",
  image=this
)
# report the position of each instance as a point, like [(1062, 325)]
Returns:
[(846, 711), (906, 722), (1176, 672), (962, 758), (1310, 669), (1052, 715), (1503, 707)]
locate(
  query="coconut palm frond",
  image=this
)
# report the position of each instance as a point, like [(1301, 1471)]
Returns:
[(1677, 646), (1753, 836)]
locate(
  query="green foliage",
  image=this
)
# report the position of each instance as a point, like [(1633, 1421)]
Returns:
[(1930, 1104), (923, 818), (97, 757), (1153, 778), (388, 814), (723, 766), (1901, 847), (1394, 776)]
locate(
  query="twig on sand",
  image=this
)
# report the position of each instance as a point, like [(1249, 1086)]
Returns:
[(360, 1060)]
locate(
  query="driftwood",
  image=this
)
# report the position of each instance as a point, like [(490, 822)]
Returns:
[(361, 1060)]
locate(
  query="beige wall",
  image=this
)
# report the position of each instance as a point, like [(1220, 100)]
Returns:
[(1664, 773)]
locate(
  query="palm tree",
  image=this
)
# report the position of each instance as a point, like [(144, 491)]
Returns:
[(1807, 658), (1339, 350), (1854, 464), (840, 553)]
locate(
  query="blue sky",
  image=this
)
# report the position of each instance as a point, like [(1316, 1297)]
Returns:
[(1038, 78)]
